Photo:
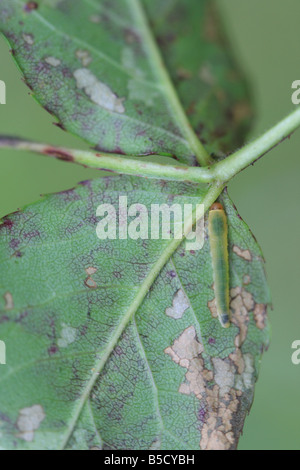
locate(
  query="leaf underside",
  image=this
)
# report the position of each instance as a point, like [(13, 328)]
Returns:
[(67, 47), (115, 344), (168, 381)]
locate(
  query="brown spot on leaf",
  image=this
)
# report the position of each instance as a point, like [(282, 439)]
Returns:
[(213, 308), (84, 57), (9, 302), (28, 38), (184, 74), (217, 387), (53, 61), (219, 383), (245, 254), (89, 282), (260, 315), (241, 111), (241, 304), (217, 431), (238, 361), (90, 270), (30, 6), (186, 351)]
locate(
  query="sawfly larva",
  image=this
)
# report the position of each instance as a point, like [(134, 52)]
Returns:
[(218, 237)]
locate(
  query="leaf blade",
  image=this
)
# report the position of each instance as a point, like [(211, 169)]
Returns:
[(72, 331), (116, 95)]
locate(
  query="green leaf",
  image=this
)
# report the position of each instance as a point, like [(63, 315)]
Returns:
[(95, 65), (114, 344)]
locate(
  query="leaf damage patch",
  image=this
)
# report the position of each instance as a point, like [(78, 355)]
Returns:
[(179, 305), (260, 315), (186, 351), (9, 301), (29, 421), (84, 57), (242, 303), (219, 383), (30, 6), (89, 282), (67, 336), (28, 38), (245, 254), (52, 61), (213, 388), (97, 91)]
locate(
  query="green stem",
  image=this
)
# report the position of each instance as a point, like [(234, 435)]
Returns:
[(238, 161), (220, 172), (112, 162)]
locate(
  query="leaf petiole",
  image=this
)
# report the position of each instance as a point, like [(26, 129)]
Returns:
[(220, 172), (242, 158), (111, 162)]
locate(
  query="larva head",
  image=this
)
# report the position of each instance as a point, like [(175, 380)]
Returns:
[(224, 320), (217, 206)]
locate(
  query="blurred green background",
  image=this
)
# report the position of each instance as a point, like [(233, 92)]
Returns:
[(265, 35)]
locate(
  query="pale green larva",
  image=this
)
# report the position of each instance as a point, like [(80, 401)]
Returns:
[(218, 237)]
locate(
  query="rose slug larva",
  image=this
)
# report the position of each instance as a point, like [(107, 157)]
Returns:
[(218, 237)]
